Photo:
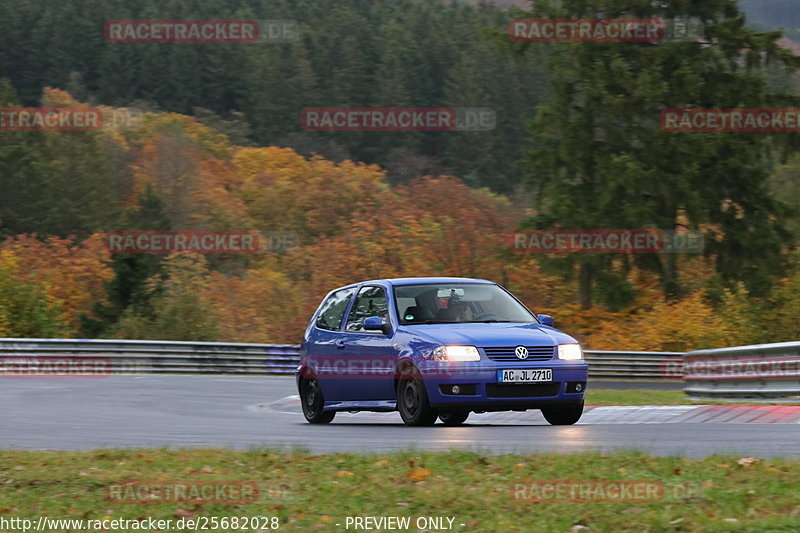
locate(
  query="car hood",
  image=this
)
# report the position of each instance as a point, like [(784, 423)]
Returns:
[(492, 334)]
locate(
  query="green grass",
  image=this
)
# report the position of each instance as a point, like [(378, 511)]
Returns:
[(315, 492), (635, 397), (655, 397)]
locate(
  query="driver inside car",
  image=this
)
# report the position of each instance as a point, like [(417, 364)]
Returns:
[(456, 311)]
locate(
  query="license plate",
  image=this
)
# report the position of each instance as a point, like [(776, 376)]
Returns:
[(525, 375)]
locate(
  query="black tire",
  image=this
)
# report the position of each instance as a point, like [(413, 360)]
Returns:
[(453, 418), (412, 400), (563, 416), (312, 401)]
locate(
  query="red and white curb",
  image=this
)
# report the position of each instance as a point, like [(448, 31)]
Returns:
[(613, 414), (692, 414)]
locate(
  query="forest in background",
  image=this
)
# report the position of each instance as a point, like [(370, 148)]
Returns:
[(351, 53), (220, 147)]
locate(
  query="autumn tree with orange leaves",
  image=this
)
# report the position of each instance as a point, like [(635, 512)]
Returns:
[(171, 172)]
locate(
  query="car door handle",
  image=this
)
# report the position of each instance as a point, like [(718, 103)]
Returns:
[(339, 344)]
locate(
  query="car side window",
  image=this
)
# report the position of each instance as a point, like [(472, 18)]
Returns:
[(332, 310), (371, 301)]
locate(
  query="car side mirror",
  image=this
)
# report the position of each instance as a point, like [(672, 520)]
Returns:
[(375, 323), (547, 320)]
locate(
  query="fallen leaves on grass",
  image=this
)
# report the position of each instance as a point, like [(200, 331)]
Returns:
[(419, 474), (747, 462)]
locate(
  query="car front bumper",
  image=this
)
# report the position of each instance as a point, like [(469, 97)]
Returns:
[(480, 390)]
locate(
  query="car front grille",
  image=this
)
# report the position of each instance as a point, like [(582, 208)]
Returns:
[(534, 390), (506, 353)]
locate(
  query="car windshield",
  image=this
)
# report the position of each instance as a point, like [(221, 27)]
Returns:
[(457, 303)]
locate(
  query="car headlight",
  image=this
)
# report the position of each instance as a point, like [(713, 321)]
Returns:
[(456, 353), (570, 352)]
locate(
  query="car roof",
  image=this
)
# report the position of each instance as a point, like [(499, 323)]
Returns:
[(414, 281)]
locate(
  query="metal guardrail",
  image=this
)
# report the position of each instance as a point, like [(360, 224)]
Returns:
[(171, 357), (149, 357), (765, 371), (638, 365)]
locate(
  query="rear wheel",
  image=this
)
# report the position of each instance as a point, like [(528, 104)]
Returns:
[(563, 416), (453, 418), (312, 400), (412, 400)]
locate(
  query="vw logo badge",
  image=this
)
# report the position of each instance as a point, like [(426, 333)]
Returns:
[(521, 352)]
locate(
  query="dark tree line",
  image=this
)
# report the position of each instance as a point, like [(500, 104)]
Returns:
[(600, 159), (577, 124), (421, 53)]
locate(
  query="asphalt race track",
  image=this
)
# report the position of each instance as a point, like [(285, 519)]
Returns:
[(249, 412)]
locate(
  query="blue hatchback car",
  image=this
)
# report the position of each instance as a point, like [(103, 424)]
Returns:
[(436, 348)]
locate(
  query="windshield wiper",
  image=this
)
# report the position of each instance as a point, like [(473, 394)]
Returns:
[(489, 321)]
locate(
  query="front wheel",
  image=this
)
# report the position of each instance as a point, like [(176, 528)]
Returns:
[(412, 401), (563, 416), (312, 400), (453, 418)]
